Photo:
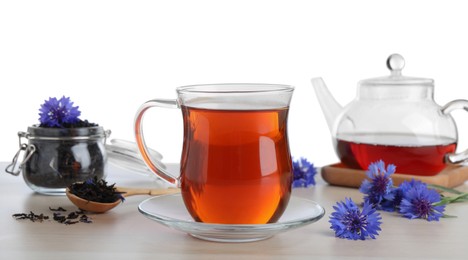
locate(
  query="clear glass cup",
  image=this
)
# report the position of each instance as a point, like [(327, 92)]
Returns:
[(235, 166)]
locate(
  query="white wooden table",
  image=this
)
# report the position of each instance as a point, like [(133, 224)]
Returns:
[(124, 233)]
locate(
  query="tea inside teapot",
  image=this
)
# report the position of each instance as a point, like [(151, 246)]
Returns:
[(426, 158)]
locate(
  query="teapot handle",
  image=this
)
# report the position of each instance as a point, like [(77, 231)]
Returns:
[(456, 158)]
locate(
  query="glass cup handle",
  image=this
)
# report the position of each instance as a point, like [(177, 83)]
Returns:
[(155, 166), (456, 158)]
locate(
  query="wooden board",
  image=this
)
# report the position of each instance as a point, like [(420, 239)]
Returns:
[(340, 175)]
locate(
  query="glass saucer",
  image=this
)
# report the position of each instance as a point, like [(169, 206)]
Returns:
[(170, 211)]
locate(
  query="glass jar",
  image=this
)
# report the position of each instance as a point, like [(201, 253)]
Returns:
[(54, 158)]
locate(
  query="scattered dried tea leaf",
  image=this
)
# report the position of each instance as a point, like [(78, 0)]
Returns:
[(57, 209), (67, 219), (31, 216)]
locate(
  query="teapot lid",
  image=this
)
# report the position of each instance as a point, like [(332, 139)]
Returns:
[(396, 63)]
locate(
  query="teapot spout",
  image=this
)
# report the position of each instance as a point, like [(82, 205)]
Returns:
[(330, 107)]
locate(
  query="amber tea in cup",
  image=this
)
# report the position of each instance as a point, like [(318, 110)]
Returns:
[(235, 165), (240, 171)]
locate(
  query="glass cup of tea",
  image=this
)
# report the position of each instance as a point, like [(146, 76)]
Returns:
[(236, 165)]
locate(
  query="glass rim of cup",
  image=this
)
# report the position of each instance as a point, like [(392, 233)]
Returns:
[(226, 88)]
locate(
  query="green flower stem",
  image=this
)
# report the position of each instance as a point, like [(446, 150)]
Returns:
[(445, 189), (459, 196), (447, 200)]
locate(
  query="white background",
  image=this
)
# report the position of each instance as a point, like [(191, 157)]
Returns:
[(111, 56)]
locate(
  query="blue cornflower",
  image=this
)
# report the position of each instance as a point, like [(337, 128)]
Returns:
[(349, 222), (403, 188), (379, 190), (418, 201), (56, 113), (304, 173)]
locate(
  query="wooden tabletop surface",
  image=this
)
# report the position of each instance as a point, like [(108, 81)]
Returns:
[(124, 233)]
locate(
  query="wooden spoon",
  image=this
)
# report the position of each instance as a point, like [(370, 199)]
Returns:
[(100, 207)]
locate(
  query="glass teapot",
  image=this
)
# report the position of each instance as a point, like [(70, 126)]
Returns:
[(394, 119)]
